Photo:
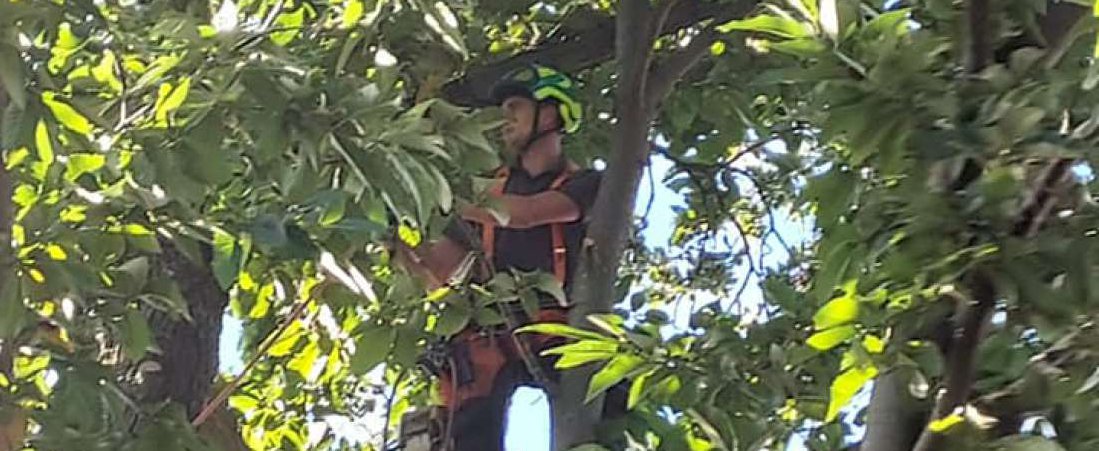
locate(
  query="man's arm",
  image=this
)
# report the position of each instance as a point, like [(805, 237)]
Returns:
[(434, 262), (568, 204), (526, 212)]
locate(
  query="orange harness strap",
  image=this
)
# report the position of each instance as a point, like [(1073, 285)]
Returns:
[(557, 230)]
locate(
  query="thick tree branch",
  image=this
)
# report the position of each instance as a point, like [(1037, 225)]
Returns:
[(961, 359), (961, 355), (583, 49), (6, 220), (980, 49)]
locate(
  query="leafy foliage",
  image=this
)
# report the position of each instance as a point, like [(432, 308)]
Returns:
[(280, 145)]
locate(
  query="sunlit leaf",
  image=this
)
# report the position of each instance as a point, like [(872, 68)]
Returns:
[(774, 25), (618, 368), (944, 424), (845, 386), (830, 338), (66, 114), (82, 163), (838, 311), (352, 12)]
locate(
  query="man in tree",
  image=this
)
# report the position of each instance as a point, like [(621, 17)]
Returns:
[(545, 199)]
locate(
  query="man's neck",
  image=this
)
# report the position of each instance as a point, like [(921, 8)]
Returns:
[(543, 156)]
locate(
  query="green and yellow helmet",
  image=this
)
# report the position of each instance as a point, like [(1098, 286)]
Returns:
[(542, 84)]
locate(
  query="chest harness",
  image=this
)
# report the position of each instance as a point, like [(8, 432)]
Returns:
[(557, 229)]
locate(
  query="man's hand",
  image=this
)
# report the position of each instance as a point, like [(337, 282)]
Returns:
[(434, 263)]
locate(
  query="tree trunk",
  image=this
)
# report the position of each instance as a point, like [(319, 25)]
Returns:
[(574, 421), (189, 363), (185, 369), (892, 424)]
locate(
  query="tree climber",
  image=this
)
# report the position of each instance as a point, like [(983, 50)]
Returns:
[(546, 199)]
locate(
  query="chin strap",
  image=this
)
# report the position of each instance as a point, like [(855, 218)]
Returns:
[(535, 135)]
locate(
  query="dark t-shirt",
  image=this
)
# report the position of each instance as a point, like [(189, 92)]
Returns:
[(532, 249)]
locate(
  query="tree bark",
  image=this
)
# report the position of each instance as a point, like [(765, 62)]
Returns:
[(188, 364), (584, 48), (593, 289), (636, 102), (6, 222)]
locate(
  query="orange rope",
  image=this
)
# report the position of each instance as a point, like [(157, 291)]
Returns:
[(222, 395)]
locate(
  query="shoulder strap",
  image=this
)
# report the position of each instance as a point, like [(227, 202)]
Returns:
[(557, 233), (557, 230)]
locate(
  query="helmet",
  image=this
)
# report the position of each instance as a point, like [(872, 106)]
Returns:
[(541, 84)]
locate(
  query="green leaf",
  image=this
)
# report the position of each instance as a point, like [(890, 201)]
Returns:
[(44, 145), (562, 330), (136, 336), (873, 344), (944, 424), (488, 316), (777, 26), (136, 271), (618, 368), (637, 389), (12, 76), (582, 352), (609, 322), (66, 114), (83, 163), (104, 72), (352, 12), (227, 259), (291, 23), (371, 348), (287, 341), (838, 311), (303, 362), (548, 284), (845, 386), (12, 311), (242, 403), (828, 339), (169, 99), (453, 319)]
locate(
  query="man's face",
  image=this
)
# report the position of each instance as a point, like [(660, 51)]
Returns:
[(518, 116)]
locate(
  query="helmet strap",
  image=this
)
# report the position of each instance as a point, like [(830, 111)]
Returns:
[(535, 135)]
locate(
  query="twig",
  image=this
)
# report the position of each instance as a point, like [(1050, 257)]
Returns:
[(389, 408), (660, 17), (222, 395), (652, 193)]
